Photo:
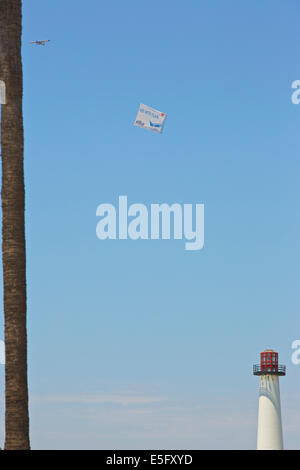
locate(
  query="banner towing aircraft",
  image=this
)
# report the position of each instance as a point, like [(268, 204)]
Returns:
[(40, 43)]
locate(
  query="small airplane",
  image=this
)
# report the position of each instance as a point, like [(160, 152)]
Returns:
[(154, 125), (40, 43)]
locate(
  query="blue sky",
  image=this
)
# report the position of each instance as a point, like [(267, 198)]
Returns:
[(141, 344)]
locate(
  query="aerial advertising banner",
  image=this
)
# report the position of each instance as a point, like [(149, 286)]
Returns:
[(150, 118)]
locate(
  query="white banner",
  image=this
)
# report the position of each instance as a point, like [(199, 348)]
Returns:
[(150, 118)]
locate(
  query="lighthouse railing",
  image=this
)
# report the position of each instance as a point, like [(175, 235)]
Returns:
[(259, 369)]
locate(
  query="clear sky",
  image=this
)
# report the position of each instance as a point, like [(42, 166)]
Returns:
[(141, 344)]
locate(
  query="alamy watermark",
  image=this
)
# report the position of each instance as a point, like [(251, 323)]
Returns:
[(138, 222), (296, 354), (2, 92), (2, 352), (296, 94)]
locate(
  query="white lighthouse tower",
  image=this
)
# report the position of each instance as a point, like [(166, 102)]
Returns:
[(269, 432)]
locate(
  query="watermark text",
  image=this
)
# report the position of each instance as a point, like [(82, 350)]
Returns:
[(160, 221)]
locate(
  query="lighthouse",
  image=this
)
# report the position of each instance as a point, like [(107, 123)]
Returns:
[(269, 431)]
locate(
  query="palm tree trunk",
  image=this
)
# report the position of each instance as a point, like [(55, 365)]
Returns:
[(13, 228)]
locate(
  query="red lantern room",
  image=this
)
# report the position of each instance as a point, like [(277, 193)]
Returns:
[(268, 364)]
